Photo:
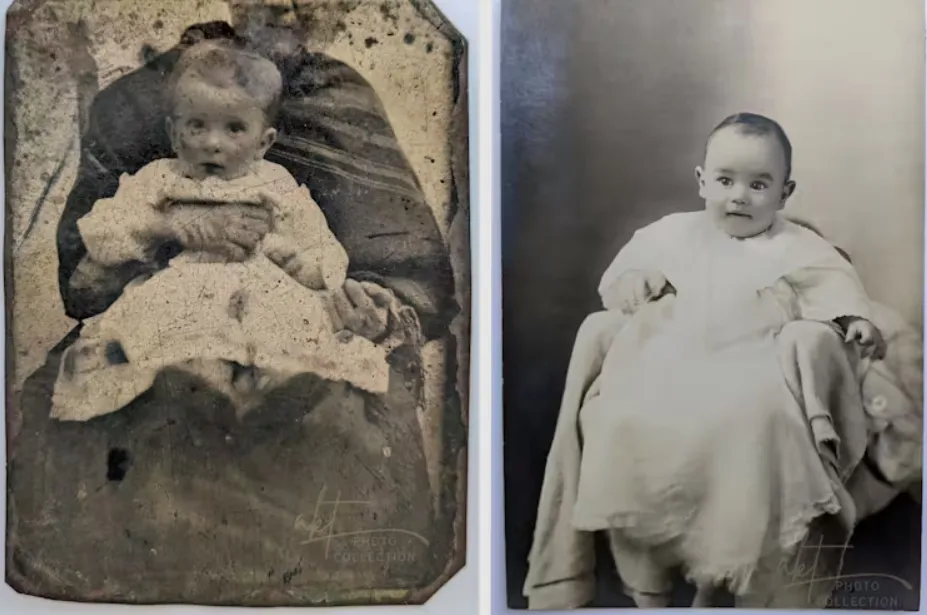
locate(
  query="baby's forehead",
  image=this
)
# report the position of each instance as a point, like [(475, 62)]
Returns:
[(733, 144), (214, 97)]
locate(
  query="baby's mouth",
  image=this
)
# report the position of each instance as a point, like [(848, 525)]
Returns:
[(210, 168), (739, 214)]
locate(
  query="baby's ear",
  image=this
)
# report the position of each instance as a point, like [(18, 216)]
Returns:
[(788, 190), (169, 126), (267, 140), (700, 178)]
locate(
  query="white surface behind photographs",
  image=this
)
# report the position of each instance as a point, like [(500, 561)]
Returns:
[(421, 135), (822, 69)]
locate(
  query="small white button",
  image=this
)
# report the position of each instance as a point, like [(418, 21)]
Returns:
[(878, 404)]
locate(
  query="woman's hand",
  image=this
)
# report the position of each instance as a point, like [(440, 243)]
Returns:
[(231, 229), (361, 308)]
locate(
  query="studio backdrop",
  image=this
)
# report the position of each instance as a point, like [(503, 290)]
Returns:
[(605, 109)]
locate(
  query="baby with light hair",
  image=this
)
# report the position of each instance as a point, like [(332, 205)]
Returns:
[(241, 301)]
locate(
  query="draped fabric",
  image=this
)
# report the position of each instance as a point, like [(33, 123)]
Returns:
[(334, 137), (320, 495)]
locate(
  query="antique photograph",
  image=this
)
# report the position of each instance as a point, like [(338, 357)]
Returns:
[(712, 293), (238, 301)]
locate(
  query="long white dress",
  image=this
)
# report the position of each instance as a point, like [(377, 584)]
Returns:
[(695, 443), (201, 313)]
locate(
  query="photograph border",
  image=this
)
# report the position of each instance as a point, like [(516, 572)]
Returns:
[(455, 590)]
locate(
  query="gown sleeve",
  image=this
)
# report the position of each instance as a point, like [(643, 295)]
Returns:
[(322, 258), (829, 289), (646, 250), (113, 230)]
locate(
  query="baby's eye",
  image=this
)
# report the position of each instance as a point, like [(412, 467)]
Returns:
[(758, 186), (196, 124), (725, 181), (237, 128)]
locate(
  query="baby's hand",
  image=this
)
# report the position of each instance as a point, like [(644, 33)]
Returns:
[(867, 335), (285, 253), (633, 289)]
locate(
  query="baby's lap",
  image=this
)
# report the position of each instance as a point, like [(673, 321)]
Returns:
[(201, 295), (210, 280), (678, 388), (181, 434), (603, 325), (810, 332)]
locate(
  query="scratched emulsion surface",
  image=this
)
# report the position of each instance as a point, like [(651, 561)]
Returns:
[(61, 53)]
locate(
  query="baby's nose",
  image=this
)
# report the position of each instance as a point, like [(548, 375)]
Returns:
[(213, 141), (739, 194)]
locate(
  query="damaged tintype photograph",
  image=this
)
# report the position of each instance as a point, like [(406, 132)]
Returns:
[(713, 383), (238, 301)]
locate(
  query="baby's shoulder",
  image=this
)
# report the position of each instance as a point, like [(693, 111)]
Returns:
[(276, 184), (799, 241), (681, 218), (273, 174)]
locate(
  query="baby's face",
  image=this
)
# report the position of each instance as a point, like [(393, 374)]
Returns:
[(217, 131), (743, 181)]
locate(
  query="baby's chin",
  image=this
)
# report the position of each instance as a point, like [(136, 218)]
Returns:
[(206, 171), (742, 227)]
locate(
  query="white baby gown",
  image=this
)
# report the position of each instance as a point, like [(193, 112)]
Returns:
[(695, 442), (202, 314)]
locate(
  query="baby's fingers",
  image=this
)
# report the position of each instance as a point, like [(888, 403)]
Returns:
[(277, 251), (655, 284), (246, 239), (878, 352), (246, 212), (234, 252), (869, 351), (852, 334)]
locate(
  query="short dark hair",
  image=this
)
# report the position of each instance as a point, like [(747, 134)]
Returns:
[(225, 63), (755, 124)]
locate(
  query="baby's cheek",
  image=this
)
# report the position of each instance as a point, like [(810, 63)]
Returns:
[(187, 141), (181, 145)]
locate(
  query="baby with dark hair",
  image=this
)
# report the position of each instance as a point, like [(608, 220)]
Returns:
[(761, 126), (242, 309), (696, 453)]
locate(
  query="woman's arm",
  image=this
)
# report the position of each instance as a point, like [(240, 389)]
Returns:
[(337, 140), (122, 237), (116, 241), (127, 227), (124, 132)]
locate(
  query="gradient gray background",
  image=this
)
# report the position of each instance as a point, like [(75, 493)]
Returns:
[(605, 105)]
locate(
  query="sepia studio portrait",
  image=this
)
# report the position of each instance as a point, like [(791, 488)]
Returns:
[(237, 261), (713, 383)]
